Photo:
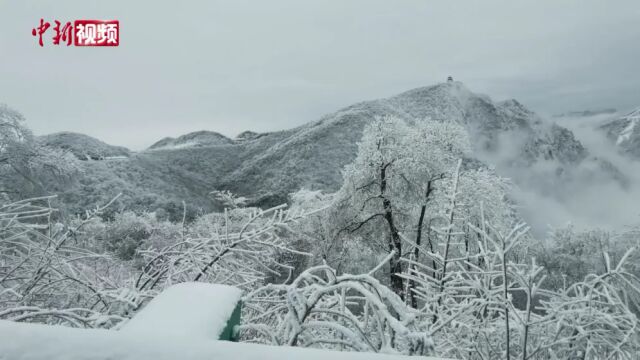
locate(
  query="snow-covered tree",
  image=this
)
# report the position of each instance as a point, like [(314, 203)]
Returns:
[(320, 234), (323, 309), (398, 186), (476, 314), (27, 168), (228, 200), (239, 247), (45, 276), (65, 273)]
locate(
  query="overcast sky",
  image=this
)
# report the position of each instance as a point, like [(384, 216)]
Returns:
[(230, 66)]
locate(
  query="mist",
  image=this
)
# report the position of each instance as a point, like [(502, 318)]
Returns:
[(602, 191)]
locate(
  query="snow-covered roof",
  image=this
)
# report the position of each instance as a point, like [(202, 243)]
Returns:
[(22, 341), (190, 310)]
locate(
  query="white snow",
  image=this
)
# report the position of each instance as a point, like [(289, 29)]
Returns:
[(190, 310), (21, 341)]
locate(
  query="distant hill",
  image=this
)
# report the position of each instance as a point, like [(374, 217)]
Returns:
[(192, 140), (248, 135), (84, 147)]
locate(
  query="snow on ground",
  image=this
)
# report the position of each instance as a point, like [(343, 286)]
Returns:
[(22, 341), (189, 310)]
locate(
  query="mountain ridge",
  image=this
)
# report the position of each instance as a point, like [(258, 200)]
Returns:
[(267, 167), (83, 147), (200, 138)]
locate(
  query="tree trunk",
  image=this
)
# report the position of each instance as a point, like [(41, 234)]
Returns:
[(395, 243), (447, 245), (416, 251), (416, 257)]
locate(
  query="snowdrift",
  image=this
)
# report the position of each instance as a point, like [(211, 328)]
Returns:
[(21, 341)]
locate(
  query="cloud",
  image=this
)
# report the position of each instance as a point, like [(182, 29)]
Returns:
[(584, 196)]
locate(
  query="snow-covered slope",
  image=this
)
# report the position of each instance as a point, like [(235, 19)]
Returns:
[(84, 147), (625, 132)]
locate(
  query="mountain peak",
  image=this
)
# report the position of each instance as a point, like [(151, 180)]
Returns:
[(249, 135), (202, 138), (450, 88)]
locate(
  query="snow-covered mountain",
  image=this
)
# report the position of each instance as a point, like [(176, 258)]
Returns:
[(267, 167), (84, 147), (507, 133), (191, 140), (624, 131)]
